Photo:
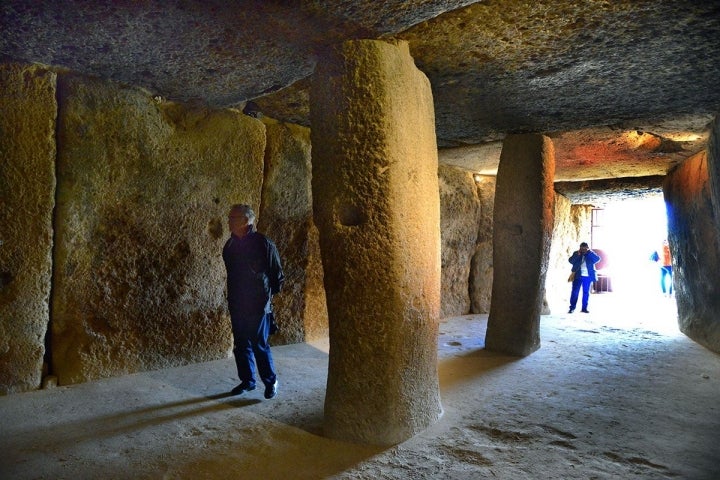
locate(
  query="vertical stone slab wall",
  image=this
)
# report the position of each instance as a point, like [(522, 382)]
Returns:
[(286, 217), (564, 242), (481, 266), (459, 217), (695, 246), (28, 111), (376, 205), (522, 233), (143, 194), (713, 159)]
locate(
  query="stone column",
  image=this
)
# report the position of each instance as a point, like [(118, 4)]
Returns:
[(522, 233), (376, 206)]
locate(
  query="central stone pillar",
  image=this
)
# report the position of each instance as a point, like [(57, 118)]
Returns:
[(376, 205), (522, 233)]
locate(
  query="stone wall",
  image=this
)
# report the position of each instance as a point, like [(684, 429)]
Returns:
[(286, 217), (693, 238), (459, 218), (481, 266), (27, 196), (143, 192)]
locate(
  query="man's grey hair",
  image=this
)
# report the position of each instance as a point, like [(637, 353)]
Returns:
[(243, 209)]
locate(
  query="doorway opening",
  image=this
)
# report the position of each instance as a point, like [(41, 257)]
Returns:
[(627, 233)]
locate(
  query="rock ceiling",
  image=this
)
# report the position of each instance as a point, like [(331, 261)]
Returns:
[(626, 88)]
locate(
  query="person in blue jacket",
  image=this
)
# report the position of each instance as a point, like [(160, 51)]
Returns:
[(583, 266), (254, 275)]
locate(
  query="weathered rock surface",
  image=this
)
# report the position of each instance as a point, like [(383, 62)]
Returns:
[(496, 66), (286, 217), (143, 193), (522, 234), (481, 267), (374, 162), (459, 217), (27, 196), (693, 238)]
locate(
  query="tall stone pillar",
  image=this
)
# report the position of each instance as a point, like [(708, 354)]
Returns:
[(376, 206), (522, 233)]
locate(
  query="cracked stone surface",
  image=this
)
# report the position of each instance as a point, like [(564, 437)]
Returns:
[(624, 88)]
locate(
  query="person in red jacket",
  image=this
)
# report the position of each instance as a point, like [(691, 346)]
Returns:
[(254, 275)]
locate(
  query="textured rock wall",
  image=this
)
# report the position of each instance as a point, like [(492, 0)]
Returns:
[(522, 233), (695, 246), (481, 266), (143, 193), (27, 196), (375, 195), (459, 217), (286, 217), (569, 221)]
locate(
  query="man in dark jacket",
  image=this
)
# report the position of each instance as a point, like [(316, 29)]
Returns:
[(254, 275), (583, 266)]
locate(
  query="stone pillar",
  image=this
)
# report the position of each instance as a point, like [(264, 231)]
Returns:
[(27, 196), (522, 233), (376, 206)]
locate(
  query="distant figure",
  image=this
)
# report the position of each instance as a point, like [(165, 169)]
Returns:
[(665, 261), (254, 275), (583, 275)]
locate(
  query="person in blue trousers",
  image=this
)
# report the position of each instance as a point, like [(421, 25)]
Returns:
[(583, 266), (254, 275)]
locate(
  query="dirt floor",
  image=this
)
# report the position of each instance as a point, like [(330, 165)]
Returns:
[(617, 393)]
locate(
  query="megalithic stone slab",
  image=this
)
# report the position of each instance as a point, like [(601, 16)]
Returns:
[(286, 217), (522, 233), (28, 110), (376, 206), (693, 238), (144, 187)]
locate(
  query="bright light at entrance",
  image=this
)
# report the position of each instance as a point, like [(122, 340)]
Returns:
[(628, 232)]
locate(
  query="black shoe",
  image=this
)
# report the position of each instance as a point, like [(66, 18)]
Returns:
[(571, 310), (271, 390), (242, 388), (585, 310)]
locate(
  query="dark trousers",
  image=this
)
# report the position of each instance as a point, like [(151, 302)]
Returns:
[(250, 339), (583, 282)]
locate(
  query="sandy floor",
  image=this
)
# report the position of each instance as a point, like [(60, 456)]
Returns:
[(617, 393)]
